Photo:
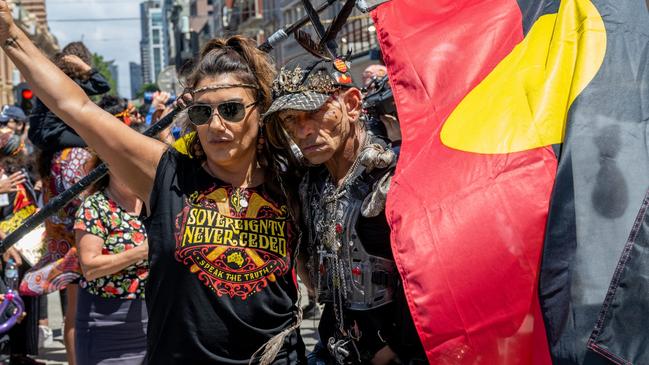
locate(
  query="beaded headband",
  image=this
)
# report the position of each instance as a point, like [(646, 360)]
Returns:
[(223, 86)]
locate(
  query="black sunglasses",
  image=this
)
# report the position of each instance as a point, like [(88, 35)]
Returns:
[(229, 111)]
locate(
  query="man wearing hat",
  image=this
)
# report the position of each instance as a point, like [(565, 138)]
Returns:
[(317, 117)]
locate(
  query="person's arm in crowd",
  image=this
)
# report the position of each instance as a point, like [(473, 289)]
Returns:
[(94, 264), (166, 135), (122, 148)]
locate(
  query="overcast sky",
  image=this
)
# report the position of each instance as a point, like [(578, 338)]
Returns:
[(113, 39)]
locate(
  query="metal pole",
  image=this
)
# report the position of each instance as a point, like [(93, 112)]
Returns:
[(282, 34)]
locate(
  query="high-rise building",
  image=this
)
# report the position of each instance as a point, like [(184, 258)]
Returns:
[(168, 8), (180, 38), (144, 42), (114, 73), (135, 71), (154, 40)]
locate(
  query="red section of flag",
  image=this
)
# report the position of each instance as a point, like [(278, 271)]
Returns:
[(467, 229)]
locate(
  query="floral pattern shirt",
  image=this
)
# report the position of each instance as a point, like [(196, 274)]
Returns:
[(68, 167), (101, 216)]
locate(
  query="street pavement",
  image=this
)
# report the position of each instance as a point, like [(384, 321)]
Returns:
[(54, 351)]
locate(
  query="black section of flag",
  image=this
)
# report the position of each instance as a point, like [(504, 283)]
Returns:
[(602, 178), (624, 313), (532, 10)]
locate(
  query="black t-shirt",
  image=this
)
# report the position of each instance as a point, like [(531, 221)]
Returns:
[(221, 280)]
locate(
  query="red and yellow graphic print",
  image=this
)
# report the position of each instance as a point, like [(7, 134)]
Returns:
[(234, 240)]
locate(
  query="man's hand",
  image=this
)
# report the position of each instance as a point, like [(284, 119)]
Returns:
[(10, 184), (13, 254)]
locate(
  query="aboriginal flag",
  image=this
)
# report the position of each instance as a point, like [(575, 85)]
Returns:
[(496, 100)]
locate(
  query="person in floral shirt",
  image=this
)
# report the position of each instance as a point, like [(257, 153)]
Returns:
[(111, 315)]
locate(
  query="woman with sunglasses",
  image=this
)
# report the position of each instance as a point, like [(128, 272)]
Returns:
[(222, 239)]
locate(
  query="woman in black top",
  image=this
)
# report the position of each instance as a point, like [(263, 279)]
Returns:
[(221, 236)]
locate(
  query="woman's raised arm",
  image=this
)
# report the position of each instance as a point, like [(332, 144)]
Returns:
[(130, 155)]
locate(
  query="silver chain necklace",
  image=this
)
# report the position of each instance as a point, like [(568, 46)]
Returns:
[(328, 226)]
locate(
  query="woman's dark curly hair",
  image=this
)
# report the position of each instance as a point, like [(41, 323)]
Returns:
[(80, 50)]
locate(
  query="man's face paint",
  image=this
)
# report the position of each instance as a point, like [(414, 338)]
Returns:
[(319, 134)]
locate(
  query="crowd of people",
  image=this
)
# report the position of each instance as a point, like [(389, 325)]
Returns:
[(186, 252)]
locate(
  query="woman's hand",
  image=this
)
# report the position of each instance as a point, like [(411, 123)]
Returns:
[(9, 184), (6, 22), (183, 101), (77, 64), (12, 253), (159, 100)]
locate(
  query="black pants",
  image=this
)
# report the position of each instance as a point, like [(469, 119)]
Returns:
[(23, 337)]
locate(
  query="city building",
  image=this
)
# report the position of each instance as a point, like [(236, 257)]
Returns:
[(153, 46), (183, 47), (135, 72), (195, 22), (145, 56), (113, 69)]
